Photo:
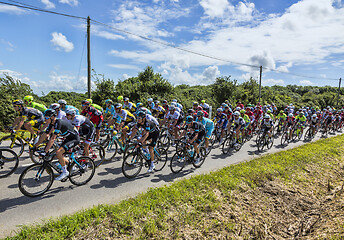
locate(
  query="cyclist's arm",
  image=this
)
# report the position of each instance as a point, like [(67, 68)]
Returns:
[(20, 124), (144, 136), (16, 121)]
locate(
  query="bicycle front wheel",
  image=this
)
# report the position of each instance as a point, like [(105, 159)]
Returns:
[(203, 155), (178, 162), (226, 146), (160, 159), (132, 165), (97, 153), (164, 141), (35, 180), (16, 145), (81, 171), (8, 162), (284, 139), (110, 150)]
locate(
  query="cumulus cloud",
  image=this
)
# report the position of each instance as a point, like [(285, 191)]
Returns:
[(70, 2), (124, 66), (271, 81), (306, 82), (48, 4), (1, 64), (61, 43), (214, 8), (11, 9)]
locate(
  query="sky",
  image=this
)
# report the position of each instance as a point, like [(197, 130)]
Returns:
[(296, 42)]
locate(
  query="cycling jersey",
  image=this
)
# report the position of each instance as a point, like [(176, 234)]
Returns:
[(67, 130), (143, 109), (282, 116), (199, 129), (86, 129), (37, 106), (151, 118), (110, 110), (61, 115), (290, 121), (29, 113), (95, 115), (246, 118), (125, 116), (96, 106), (208, 125), (129, 106), (239, 121), (301, 119), (222, 118), (267, 124), (153, 129), (205, 106)]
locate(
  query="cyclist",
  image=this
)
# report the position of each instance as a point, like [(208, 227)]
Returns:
[(150, 103), (281, 119), (120, 99), (301, 119), (95, 116), (205, 106), (150, 131), (84, 126), (199, 108), (109, 112), (246, 119), (28, 100), (221, 122), (197, 136), (177, 104), (65, 129), (267, 125), (96, 106), (131, 107), (290, 121), (239, 124), (65, 107), (176, 121), (209, 127), (165, 105), (28, 117), (314, 123), (60, 114), (124, 118), (158, 111), (195, 106)]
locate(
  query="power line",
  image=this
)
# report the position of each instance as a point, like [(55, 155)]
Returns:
[(162, 43), (41, 10)]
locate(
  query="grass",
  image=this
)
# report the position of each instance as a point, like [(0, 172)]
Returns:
[(215, 205)]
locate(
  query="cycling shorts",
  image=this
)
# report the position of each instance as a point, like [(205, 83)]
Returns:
[(36, 123), (154, 136), (208, 132), (88, 132), (199, 138), (70, 142)]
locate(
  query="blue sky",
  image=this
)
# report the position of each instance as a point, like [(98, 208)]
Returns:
[(298, 37)]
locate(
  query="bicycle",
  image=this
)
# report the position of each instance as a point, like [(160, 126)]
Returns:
[(309, 133), (17, 140), (186, 154), (296, 133), (37, 179), (8, 162), (265, 140), (133, 161), (96, 152), (111, 144)]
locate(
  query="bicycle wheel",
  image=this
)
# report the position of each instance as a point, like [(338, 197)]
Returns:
[(269, 142), (36, 179), (203, 155), (8, 142), (97, 154), (160, 159), (227, 144), (284, 139), (178, 162), (261, 143), (164, 141), (110, 150), (300, 135), (8, 162), (83, 172), (308, 135), (132, 165)]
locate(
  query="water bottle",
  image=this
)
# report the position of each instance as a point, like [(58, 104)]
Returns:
[(58, 165), (146, 152)]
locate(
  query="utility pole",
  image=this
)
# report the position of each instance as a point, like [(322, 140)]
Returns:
[(88, 58), (260, 82), (340, 81)]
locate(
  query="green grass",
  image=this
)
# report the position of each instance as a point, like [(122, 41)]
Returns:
[(165, 211)]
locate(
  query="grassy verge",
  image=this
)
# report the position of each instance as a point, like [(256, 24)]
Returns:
[(290, 194)]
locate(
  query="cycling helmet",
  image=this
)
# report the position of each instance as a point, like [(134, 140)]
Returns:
[(150, 99), (281, 111), (269, 111), (203, 101), (267, 116), (54, 106), (195, 103), (138, 105), (61, 101), (173, 104), (199, 108), (28, 98), (171, 108), (242, 111), (302, 113), (200, 114), (156, 101), (314, 116), (190, 111), (108, 101), (238, 108), (248, 108), (290, 115), (85, 102), (220, 110), (164, 101), (174, 100), (120, 98), (126, 99), (49, 112), (189, 119), (141, 114), (330, 113), (90, 100), (17, 102), (71, 112), (118, 105), (236, 113)]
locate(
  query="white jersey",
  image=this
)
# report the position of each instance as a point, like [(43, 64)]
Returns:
[(78, 120), (174, 116), (153, 119), (61, 115)]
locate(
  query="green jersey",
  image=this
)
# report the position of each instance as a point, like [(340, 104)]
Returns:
[(37, 106), (96, 106), (282, 116)]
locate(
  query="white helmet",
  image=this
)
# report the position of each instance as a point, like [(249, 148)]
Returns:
[(150, 100), (236, 113)]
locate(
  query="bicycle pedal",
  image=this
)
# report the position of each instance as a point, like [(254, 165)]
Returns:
[(64, 180)]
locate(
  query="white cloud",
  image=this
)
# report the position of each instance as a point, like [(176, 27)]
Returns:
[(11, 73), (11, 9), (272, 81), (306, 82), (124, 66), (285, 68), (1, 64), (48, 4), (125, 76), (214, 8), (70, 2), (61, 42)]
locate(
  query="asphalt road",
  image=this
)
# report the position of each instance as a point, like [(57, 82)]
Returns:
[(108, 186)]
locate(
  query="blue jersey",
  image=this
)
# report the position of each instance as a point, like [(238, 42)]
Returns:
[(208, 124), (110, 110), (222, 118)]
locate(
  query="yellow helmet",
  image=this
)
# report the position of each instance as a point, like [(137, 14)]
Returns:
[(90, 100)]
